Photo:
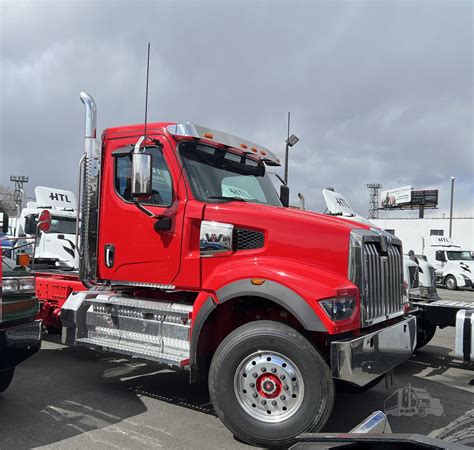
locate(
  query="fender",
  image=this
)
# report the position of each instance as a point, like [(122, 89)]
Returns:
[(269, 290), (313, 283)]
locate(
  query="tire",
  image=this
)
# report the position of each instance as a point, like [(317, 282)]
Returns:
[(421, 410), (425, 333), (6, 378), (461, 431), (250, 375), (451, 283)]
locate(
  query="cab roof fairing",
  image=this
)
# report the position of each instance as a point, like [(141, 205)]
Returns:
[(189, 129)]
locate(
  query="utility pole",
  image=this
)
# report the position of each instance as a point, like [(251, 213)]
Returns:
[(18, 194), (290, 141), (451, 208), (374, 200)]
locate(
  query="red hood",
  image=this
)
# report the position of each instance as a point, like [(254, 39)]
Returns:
[(308, 237)]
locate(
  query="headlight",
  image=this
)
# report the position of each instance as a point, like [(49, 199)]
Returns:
[(9, 286), (338, 308), (22, 285), (27, 284)]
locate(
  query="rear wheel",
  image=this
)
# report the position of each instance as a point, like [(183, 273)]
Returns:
[(425, 333), (6, 378), (451, 283), (268, 384)]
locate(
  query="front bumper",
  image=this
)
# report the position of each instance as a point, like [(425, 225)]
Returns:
[(363, 359), (18, 343)]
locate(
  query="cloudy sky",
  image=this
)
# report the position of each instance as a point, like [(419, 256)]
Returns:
[(378, 91)]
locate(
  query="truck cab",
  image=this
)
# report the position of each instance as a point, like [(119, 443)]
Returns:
[(58, 246), (20, 333), (191, 259), (454, 266)]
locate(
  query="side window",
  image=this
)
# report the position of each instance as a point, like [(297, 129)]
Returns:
[(160, 181), (440, 255)]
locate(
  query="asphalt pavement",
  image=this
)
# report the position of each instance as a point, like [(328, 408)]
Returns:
[(72, 398)]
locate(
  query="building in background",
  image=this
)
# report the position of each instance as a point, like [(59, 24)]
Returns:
[(412, 231)]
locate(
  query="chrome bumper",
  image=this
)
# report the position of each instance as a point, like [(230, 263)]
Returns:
[(363, 359)]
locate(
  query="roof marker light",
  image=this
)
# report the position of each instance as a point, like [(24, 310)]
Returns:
[(244, 146), (263, 153), (257, 281), (208, 135), (254, 149)]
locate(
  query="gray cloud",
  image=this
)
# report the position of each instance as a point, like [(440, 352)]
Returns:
[(379, 91)]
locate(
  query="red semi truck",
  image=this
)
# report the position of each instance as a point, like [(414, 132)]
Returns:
[(190, 258)]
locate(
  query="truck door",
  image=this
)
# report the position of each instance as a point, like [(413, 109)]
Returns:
[(131, 249)]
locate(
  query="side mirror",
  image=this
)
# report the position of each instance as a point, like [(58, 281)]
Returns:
[(44, 221), (285, 195), (141, 175), (5, 222)]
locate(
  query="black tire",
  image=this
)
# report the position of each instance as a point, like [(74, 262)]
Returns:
[(425, 333), (269, 338), (450, 283), (461, 431), (6, 378)]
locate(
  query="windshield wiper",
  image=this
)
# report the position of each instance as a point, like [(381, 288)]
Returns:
[(225, 197)]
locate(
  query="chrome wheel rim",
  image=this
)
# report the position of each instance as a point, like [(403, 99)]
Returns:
[(450, 283), (269, 386)]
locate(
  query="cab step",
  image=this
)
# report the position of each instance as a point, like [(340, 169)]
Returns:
[(138, 327)]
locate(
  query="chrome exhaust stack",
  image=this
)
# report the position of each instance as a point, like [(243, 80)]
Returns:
[(91, 115), (88, 195)]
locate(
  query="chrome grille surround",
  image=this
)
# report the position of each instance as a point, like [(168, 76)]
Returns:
[(376, 267)]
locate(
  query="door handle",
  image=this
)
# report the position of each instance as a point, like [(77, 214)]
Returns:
[(109, 255)]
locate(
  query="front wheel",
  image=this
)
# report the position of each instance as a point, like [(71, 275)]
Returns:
[(451, 283), (268, 384), (6, 378)]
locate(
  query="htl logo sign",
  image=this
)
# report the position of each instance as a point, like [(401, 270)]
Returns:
[(59, 197)]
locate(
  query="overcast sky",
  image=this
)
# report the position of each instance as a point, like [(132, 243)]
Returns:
[(378, 91)]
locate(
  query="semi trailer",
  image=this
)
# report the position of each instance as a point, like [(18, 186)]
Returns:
[(189, 257)]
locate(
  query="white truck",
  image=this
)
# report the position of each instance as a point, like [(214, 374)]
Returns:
[(59, 243), (454, 266)]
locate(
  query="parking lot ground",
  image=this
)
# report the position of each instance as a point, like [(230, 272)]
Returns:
[(76, 398)]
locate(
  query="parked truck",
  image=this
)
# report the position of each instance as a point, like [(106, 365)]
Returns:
[(58, 246), (20, 333), (191, 259), (454, 266)]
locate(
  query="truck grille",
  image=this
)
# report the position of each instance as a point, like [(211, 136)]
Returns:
[(414, 277), (383, 293), (245, 239)]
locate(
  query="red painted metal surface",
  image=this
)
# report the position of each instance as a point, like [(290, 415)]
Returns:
[(52, 290), (303, 251)]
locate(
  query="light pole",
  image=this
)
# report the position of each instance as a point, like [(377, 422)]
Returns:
[(290, 141), (451, 208)]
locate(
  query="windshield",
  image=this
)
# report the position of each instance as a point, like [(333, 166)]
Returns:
[(218, 175), (460, 256), (61, 225)]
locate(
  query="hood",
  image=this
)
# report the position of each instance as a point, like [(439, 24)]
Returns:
[(311, 238)]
